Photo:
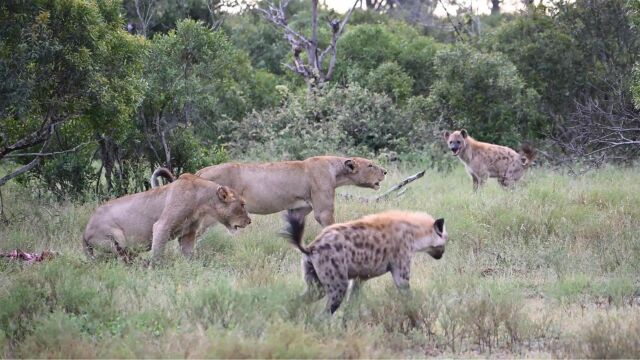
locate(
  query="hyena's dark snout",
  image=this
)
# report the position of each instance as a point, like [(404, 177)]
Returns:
[(436, 252)]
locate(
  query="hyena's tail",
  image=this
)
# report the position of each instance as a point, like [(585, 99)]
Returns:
[(294, 231), (528, 155), (165, 173)]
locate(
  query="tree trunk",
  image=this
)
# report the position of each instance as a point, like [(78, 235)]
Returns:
[(106, 157), (495, 7)]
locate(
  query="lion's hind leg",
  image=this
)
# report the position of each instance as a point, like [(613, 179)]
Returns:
[(109, 241)]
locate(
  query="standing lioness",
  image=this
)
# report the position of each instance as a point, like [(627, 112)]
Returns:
[(483, 160), (297, 186), (147, 220)]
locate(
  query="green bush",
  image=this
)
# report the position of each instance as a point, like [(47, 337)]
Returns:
[(484, 93), (547, 58), (370, 54), (390, 79), (336, 120)]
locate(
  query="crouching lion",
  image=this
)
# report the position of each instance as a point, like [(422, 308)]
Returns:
[(147, 220), (296, 186)]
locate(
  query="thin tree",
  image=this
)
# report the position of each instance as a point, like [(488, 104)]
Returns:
[(145, 10), (311, 68)]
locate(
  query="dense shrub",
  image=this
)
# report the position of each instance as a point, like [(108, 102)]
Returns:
[(548, 59), (341, 120), (367, 52), (484, 93)]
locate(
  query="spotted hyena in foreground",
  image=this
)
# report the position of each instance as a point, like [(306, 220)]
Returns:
[(363, 249), (483, 160)]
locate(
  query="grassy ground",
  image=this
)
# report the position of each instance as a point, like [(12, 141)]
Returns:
[(548, 269)]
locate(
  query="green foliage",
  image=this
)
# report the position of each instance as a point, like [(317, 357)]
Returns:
[(70, 66), (607, 38), (341, 120), (260, 40), (68, 175), (199, 85), (365, 52), (63, 60), (390, 79), (484, 93), (547, 58)]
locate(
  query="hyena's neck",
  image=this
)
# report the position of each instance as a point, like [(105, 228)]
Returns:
[(466, 155)]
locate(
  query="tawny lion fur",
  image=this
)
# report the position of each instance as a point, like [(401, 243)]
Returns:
[(296, 186), (363, 249), (483, 160), (147, 220)]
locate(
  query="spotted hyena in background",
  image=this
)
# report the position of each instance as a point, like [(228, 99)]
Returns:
[(483, 160), (363, 249)]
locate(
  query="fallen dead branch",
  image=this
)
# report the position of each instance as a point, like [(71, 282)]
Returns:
[(399, 186)]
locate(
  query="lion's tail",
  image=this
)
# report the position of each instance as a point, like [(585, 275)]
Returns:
[(529, 154), (164, 172), (294, 231)]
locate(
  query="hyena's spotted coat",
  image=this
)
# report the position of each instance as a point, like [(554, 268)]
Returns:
[(483, 160), (363, 249)]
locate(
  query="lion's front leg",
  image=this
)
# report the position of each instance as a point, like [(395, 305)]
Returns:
[(322, 203), (161, 234)]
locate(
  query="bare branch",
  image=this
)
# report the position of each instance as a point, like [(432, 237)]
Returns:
[(145, 10), (23, 169), (74, 149), (597, 132), (312, 70), (398, 186), (337, 31)]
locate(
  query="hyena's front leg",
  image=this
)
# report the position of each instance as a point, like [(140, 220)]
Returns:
[(401, 272), (475, 182)]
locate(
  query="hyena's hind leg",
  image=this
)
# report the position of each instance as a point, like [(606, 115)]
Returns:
[(315, 291), (334, 278)]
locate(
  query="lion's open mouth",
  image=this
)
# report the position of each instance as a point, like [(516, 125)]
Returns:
[(376, 185)]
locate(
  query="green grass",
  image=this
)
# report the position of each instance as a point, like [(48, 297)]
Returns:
[(550, 268)]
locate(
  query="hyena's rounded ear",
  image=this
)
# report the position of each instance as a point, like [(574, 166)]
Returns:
[(224, 193), (464, 134), (438, 226), (350, 165), (446, 134)]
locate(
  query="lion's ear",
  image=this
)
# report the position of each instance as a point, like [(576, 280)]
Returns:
[(438, 226), (446, 134), (351, 165), (224, 194), (464, 134)]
